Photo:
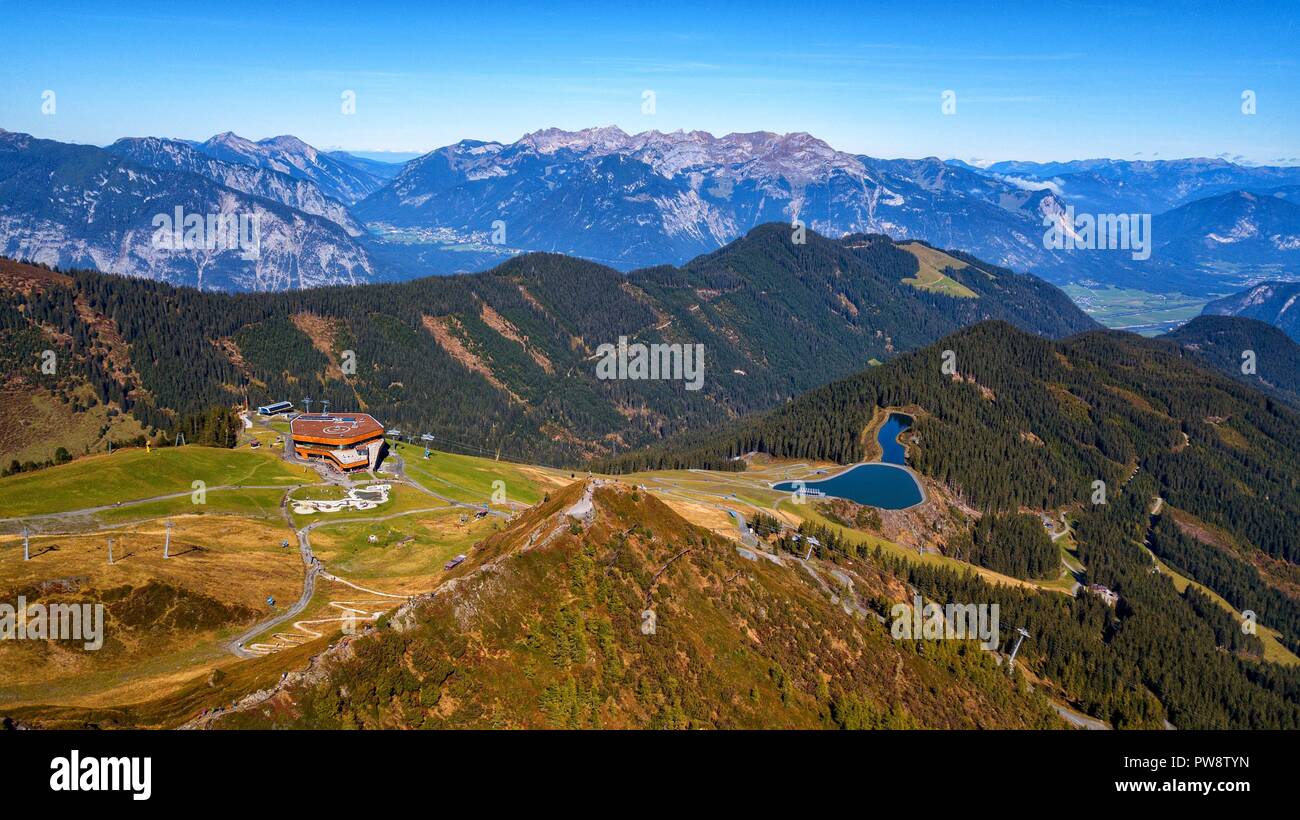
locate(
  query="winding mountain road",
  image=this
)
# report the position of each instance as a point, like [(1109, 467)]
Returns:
[(314, 569), (239, 645)]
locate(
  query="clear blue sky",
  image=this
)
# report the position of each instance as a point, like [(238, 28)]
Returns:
[(1041, 80)]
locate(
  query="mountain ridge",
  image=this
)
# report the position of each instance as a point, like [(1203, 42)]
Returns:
[(296, 192), (1234, 344), (74, 205), (667, 197), (566, 588), (520, 341), (287, 154), (1270, 302)]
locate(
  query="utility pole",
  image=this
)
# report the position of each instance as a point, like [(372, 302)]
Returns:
[(168, 543), (1023, 634), (27, 548), (110, 550)]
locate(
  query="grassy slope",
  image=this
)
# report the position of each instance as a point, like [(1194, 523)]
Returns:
[(44, 424), (260, 503), (930, 274), (225, 553), (163, 617), (469, 478), (134, 474), (409, 551)]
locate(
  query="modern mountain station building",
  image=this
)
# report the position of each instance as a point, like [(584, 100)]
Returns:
[(349, 441), (275, 408)]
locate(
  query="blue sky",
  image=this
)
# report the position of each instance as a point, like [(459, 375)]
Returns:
[(1042, 80)]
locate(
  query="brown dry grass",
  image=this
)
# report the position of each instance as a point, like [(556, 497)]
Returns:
[(217, 563)]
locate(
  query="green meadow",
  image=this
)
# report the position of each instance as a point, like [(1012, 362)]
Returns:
[(468, 478), (250, 503), (102, 480)]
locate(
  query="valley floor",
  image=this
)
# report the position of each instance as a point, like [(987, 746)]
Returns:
[(1139, 311)]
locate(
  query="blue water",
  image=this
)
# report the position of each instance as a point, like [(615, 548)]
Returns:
[(891, 447), (884, 484)]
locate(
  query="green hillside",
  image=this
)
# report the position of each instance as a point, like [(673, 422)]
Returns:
[(102, 480), (1030, 423), (1222, 342), (506, 359)]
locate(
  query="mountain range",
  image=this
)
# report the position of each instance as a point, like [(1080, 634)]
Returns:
[(1242, 230), (631, 200), (298, 192), (81, 206), (343, 180), (1151, 186), (635, 200)]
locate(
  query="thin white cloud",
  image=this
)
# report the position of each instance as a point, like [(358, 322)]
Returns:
[(1053, 185)]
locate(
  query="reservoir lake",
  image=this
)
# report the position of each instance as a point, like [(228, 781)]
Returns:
[(886, 483)]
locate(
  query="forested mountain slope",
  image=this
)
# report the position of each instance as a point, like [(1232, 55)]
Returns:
[(1248, 350), (505, 360), (1149, 454), (1027, 421)]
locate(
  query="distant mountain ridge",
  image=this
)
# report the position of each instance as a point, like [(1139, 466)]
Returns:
[(1271, 302), (638, 199), (296, 192), (344, 181), (1152, 186), (82, 206), (650, 198), (1241, 226)]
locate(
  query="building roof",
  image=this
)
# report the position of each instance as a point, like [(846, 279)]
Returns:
[(334, 428)]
